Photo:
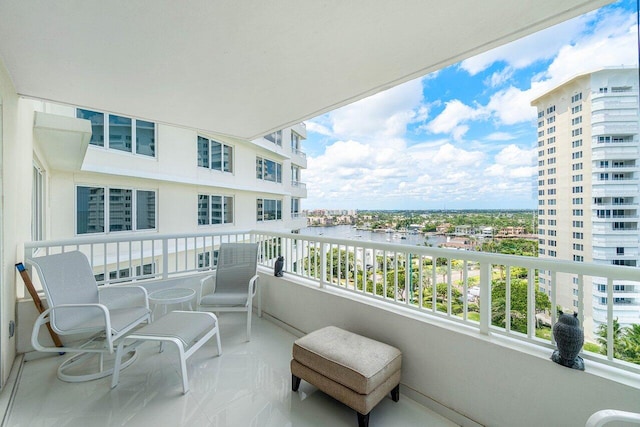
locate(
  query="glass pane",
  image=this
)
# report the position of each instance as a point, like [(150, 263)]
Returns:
[(145, 138), (228, 159), (119, 209), (228, 210), (203, 152), (90, 210), (97, 125), (203, 209), (120, 133), (258, 168), (278, 209), (145, 210), (259, 210), (216, 209), (278, 172), (216, 155), (269, 209), (270, 170)]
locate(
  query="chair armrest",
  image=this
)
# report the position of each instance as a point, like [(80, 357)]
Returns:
[(123, 296), (207, 286), (253, 286)]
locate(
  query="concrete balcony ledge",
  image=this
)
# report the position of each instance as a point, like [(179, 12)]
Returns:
[(468, 377)]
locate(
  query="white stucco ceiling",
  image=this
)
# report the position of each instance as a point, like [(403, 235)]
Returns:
[(248, 67)]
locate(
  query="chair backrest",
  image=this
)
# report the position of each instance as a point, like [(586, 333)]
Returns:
[(237, 264), (67, 278)]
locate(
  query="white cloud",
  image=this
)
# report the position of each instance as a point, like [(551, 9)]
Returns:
[(384, 114), (524, 52), (499, 77), (499, 136), (455, 112), (313, 126)]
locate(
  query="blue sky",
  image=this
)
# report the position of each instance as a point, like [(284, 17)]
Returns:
[(464, 137)]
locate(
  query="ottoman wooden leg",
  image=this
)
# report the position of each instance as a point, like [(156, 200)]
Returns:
[(295, 382), (395, 393), (363, 420)]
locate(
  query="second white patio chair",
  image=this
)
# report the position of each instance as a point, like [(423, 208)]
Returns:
[(234, 283), (90, 318)]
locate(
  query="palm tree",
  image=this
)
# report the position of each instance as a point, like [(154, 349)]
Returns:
[(631, 343), (618, 343)]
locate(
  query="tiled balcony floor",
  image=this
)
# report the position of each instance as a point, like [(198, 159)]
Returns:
[(249, 385)]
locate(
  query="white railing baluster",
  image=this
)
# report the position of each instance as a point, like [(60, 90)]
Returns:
[(485, 297), (507, 302), (610, 319), (553, 287), (531, 306)]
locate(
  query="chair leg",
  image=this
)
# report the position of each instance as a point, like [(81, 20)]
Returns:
[(363, 420), (295, 383), (218, 339), (395, 393), (249, 324)]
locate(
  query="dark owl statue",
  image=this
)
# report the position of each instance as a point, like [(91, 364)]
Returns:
[(278, 267), (569, 339)]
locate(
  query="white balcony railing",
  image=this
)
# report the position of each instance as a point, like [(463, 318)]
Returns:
[(473, 289)]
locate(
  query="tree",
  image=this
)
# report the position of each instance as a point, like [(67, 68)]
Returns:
[(631, 344), (618, 344), (519, 295)]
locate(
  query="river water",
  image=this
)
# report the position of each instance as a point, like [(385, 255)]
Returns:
[(348, 232)]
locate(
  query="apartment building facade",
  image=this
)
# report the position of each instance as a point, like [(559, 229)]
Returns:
[(588, 194), (101, 173)]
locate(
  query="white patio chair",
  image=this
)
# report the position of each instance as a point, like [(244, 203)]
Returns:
[(93, 318), (234, 283)]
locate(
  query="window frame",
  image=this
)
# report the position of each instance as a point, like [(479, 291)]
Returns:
[(106, 210)]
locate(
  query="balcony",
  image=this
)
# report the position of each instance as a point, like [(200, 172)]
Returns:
[(298, 189), (452, 347)]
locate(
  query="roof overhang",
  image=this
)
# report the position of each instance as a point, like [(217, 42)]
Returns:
[(246, 68)]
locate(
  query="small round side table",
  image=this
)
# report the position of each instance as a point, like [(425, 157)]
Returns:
[(171, 296)]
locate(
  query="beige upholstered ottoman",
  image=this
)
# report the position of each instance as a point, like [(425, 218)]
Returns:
[(355, 370)]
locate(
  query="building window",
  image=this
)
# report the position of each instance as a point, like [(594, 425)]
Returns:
[(551, 109), (551, 129), (576, 189), (37, 204), (576, 132), (551, 181), (576, 109), (578, 235), (268, 209), (625, 262), (551, 150), (124, 209), (576, 166), (552, 253), (576, 120), (275, 137), (551, 161), (577, 97), (618, 89), (215, 155), (576, 178), (603, 90), (551, 140), (576, 143), (578, 212), (576, 155), (578, 224), (268, 170), (551, 119), (619, 251), (215, 209), (540, 114), (120, 132), (295, 207), (578, 247), (577, 200)]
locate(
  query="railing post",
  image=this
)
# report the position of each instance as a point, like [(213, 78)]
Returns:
[(165, 258), (323, 264), (531, 305), (485, 297)]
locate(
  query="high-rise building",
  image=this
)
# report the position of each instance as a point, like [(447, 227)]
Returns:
[(588, 195)]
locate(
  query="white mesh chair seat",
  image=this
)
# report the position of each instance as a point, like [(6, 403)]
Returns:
[(78, 306), (229, 298), (234, 283)]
